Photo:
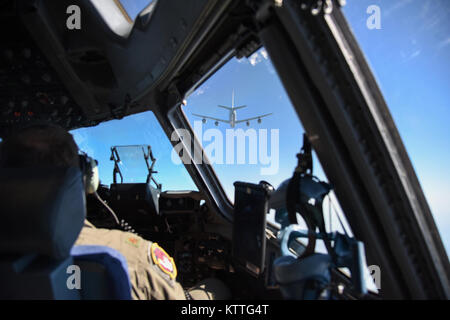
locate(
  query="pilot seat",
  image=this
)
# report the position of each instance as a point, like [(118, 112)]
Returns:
[(42, 213)]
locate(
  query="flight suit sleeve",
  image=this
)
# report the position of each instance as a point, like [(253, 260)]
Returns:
[(152, 271)]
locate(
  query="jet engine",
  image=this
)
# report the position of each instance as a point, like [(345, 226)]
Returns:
[(216, 123), (204, 120), (259, 120), (248, 123)]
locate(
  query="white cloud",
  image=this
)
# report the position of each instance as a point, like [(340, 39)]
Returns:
[(254, 59), (396, 6), (200, 90), (264, 54), (415, 54), (408, 56), (258, 56)]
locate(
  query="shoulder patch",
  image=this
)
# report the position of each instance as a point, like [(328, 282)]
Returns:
[(134, 241), (163, 260)]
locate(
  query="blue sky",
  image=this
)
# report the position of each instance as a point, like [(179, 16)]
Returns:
[(133, 7), (133, 130), (256, 85), (410, 57)]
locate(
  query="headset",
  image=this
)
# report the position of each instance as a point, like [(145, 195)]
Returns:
[(89, 169)]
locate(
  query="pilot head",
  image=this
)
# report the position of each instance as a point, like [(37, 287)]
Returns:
[(39, 145)]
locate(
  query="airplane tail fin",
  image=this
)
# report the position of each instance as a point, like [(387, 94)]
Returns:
[(225, 107), (240, 107)]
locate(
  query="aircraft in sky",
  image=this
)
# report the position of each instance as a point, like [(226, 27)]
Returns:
[(233, 115)]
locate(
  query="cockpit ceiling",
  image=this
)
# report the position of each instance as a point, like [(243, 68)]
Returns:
[(85, 76)]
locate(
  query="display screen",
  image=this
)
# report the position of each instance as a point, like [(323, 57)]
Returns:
[(249, 225)]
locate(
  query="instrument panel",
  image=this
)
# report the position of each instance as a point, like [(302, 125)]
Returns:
[(30, 89), (178, 225)]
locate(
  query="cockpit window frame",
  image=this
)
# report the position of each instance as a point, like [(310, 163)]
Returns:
[(297, 59), (123, 10), (203, 173)]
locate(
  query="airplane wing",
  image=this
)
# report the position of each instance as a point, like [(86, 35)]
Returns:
[(206, 117), (254, 118)]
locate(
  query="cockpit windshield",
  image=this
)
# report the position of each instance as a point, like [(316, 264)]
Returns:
[(120, 15), (132, 137), (133, 163), (133, 7), (407, 44), (246, 123), (249, 130)]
